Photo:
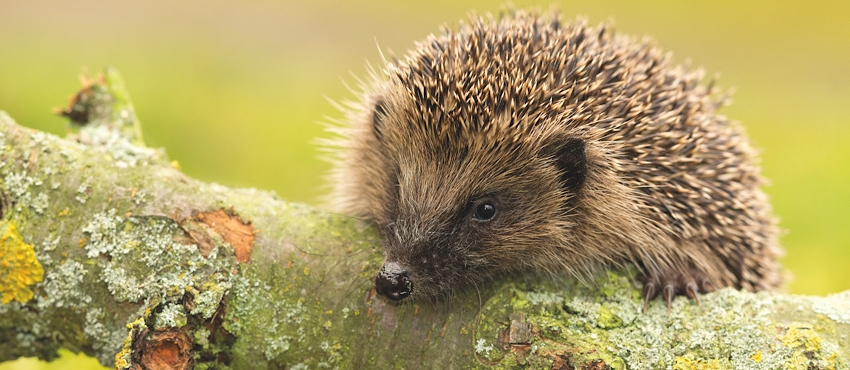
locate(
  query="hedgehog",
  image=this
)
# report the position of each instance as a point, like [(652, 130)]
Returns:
[(522, 144)]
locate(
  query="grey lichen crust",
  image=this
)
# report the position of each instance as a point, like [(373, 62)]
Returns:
[(730, 329), (835, 306)]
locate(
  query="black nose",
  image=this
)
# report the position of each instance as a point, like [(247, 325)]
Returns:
[(393, 282)]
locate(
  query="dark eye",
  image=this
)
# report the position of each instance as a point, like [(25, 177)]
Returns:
[(484, 211)]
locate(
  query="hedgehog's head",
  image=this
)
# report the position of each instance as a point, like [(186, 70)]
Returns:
[(470, 157), (469, 196)]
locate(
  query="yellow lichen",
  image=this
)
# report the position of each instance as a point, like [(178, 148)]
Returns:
[(688, 362), (801, 336), (757, 357), (122, 357), (19, 268)]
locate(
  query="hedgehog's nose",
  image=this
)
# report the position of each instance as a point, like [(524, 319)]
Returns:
[(393, 282)]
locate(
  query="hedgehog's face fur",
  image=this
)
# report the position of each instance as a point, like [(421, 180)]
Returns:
[(457, 209)]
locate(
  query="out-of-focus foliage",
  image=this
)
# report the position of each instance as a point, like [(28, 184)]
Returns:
[(236, 90)]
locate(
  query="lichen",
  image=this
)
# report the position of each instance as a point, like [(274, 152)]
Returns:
[(117, 147), (208, 299), (63, 287), (275, 345), (145, 261), (21, 187), (688, 362), (481, 348), (835, 306), (172, 315), (82, 194), (123, 359), (274, 300), (140, 261), (579, 326), (19, 267)]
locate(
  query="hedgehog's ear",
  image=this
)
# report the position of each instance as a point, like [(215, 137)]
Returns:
[(570, 156), (379, 112)]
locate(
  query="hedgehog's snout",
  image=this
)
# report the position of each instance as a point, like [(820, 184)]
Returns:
[(393, 282)]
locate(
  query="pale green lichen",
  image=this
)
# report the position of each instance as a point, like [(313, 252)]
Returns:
[(105, 339), (208, 299), (145, 261), (835, 306), (270, 300), (334, 355), (18, 183), (31, 337), (736, 330), (39, 203), (82, 194), (117, 147), (276, 345), (647, 343), (139, 198), (20, 186), (481, 348), (123, 112), (139, 260), (63, 287), (48, 245), (100, 231), (172, 315)]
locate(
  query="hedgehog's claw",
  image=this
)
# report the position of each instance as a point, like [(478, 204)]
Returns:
[(671, 284), (707, 286), (669, 293), (691, 291), (650, 290)]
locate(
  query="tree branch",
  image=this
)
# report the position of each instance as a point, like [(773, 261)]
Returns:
[(108, 249)]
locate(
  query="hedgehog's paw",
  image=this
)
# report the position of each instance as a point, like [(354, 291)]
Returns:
[(673, 283)]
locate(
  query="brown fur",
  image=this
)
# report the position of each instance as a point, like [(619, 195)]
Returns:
[(595, 149)]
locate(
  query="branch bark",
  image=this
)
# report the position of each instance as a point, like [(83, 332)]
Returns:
[(110, 250)]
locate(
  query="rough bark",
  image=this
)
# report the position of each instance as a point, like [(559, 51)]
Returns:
[(107, 248)]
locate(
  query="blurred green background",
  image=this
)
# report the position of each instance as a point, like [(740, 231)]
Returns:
[(236, 90)]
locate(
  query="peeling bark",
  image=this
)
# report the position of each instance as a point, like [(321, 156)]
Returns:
[(144, 267)]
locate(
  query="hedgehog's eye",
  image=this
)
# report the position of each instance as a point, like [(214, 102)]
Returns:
[(484, 211)]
